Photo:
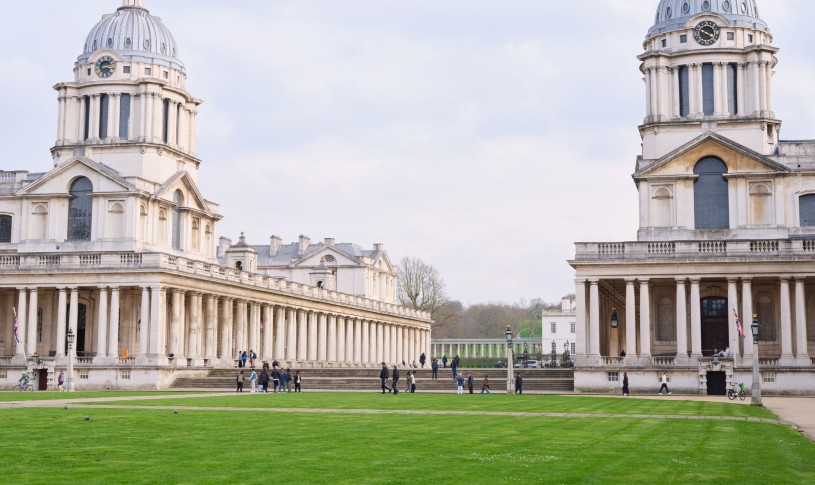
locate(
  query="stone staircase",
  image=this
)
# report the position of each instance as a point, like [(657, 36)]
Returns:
[(361, 379)]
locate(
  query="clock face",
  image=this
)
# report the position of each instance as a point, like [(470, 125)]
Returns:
[(706, 33), (105, 66)]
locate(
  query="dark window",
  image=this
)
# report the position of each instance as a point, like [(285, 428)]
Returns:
[(165, 117), (104, 106), (707, 89), (714, 307), (710, 195), (5, 229), (80, 210), (39, 325), (87, 121), (806, 206), (178, 198), (684, 95), (683, 39), (124, 117), (732, 89)]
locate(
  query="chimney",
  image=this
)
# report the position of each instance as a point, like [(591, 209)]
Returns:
[(305, 242), (329, 241), (379, 247), (224, 243), (274, 245)]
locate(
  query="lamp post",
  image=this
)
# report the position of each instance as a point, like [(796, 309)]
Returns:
[(510, 358), (70, 337), (755, 399)]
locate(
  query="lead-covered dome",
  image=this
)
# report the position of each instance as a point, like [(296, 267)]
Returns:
[(135, 35), (673, 14)]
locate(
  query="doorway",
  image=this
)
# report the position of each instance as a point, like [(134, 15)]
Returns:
[(716, 383), (42, 379), (714, 325)]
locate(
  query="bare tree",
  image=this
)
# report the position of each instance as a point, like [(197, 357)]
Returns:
[(422, 288)]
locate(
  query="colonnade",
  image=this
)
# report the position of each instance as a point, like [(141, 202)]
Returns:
[(157, 323)]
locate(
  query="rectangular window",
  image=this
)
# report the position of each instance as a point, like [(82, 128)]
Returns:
[(125, 375), (5, 229), (124, 117), (707, 89), (166, 75), (731, 36), (148, 71), (554, 327), (732, 89), (683, 39), (126, 69), (664, 43), (684, 93), (165, 120), (750, 38), (104, 104), (87, 121), (613, 377), (574, 347), (768, 377), (572, 327), (84, 374), (39, 325), (3, 374)]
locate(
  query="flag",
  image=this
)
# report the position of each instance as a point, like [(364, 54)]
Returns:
[(739, 327), (16, 328)]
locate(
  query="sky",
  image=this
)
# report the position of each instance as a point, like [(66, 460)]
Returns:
[(484, 137)]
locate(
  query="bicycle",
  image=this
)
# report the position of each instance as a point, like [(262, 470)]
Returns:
[(23, 388), (736, 391)]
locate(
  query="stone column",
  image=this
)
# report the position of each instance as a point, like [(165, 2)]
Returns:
[(372, 342), (175, 323), (94, 117), (73, 317), (645, 322), (801, 350), (312, 336), (349, 340), (254, 327), (228, 354), (787, 358), (115, 113), (360, 352), (194, 339), (302, 335), (692, 91), (158, 323), (630, 322), (61, 124), (267, 321), (411, 333), (31, 339), (144, 322), (62, 306), (732, 302), (291, 335), (594, 319), (380, 343), (718, 71), (695, 320), (332, 338), (654, 84), (740, 82), (113, 345), (762, 82), (746, 319), (322, 350), (340, 338), (280, 333), (581, 336), (681, 323), (755, 88), (648, 89), (210, 337)]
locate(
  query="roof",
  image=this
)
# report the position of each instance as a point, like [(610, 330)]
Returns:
[(674, 14)]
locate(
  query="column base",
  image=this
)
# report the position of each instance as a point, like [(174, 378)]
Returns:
[(803, 361), (197, 362), (682, 360), (786, 360), (101, 360)]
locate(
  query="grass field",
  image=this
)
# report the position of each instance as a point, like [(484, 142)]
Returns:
[(53, 396), (149, 445)]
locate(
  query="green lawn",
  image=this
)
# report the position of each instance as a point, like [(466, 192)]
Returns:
[(159, 446), (54, 396)]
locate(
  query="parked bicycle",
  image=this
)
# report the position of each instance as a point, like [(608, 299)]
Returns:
[(736, 391)]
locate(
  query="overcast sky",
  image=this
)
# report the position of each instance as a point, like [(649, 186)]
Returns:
[(484, 137)]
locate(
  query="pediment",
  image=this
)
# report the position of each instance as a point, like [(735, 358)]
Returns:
[(58, 180), (738, 158), (316, 257), (192, 196)]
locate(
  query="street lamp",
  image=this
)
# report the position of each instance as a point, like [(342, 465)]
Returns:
[(615, 321), (510, 358), (70, 337), (755, 399)]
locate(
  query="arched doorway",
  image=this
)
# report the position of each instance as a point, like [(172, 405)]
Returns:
[(714, 325)]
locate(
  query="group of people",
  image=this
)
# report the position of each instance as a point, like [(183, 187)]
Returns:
[(244, 358), (25, 380), (663, 384), (485, 384), (278, 379)]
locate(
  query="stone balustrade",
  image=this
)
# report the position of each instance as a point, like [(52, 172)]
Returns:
[(696, 249)]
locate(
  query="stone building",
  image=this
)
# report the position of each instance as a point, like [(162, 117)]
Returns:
[(727, 221), (117, 243)]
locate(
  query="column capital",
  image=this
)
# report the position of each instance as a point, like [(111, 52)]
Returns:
[(680, 280), (580, 281), (695, 280), (799, 278), (630, 281), (786, 278)]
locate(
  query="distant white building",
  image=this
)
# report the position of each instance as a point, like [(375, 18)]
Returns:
[(559, 329)]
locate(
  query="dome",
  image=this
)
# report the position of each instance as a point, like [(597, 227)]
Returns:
[(135, 35), (673, 14)]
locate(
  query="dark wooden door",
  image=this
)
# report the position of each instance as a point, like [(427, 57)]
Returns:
[(716, 383), (42, 379)]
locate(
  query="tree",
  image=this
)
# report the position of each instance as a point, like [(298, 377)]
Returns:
[(421, 288)]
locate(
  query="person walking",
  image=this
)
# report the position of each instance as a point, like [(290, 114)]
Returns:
[(460, 381), (289, 380), (408, 381), (454, 366), (470, 382), (240, 382), (434, 366), (422, 360), (240, 358), (664, 384), (61, 382), (276, 378), (485, 385), (413, 382), (383, 378), (395, 380), (244, 357), (297, 380), (519, 384), (444, 360), (264, 381), (283, 376), (253, 381), (252, 357), (625, 383)]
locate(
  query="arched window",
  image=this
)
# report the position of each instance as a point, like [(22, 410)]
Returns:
[(162, 226), (80, 210), (5, 229), (710, 195), (178, 198), (806, 207)]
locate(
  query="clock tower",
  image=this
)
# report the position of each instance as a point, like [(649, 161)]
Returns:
[(127, 106), (708, 68)]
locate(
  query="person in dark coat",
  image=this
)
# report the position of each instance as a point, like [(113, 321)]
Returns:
[(422, 360), (244, 356), (275, 378), (297, 381), (239, 380), (383, 378), (435, 367), (395, 379), (625, 383), (264, 380), (470, 382), (519, 384)]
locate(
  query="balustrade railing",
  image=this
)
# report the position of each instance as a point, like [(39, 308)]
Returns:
[(768, 362), (84, 360), (90, 259), (663, 360), (5, 360), (697, 249), (125, 360), (611, 360)]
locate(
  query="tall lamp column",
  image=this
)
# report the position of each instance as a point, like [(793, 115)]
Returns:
[(510, 359), (70, 337), (755, 399)]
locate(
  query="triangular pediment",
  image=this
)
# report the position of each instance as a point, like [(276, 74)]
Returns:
[(192, 196), (58, 180), (383, 262), (737, 157), (314, 258)]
